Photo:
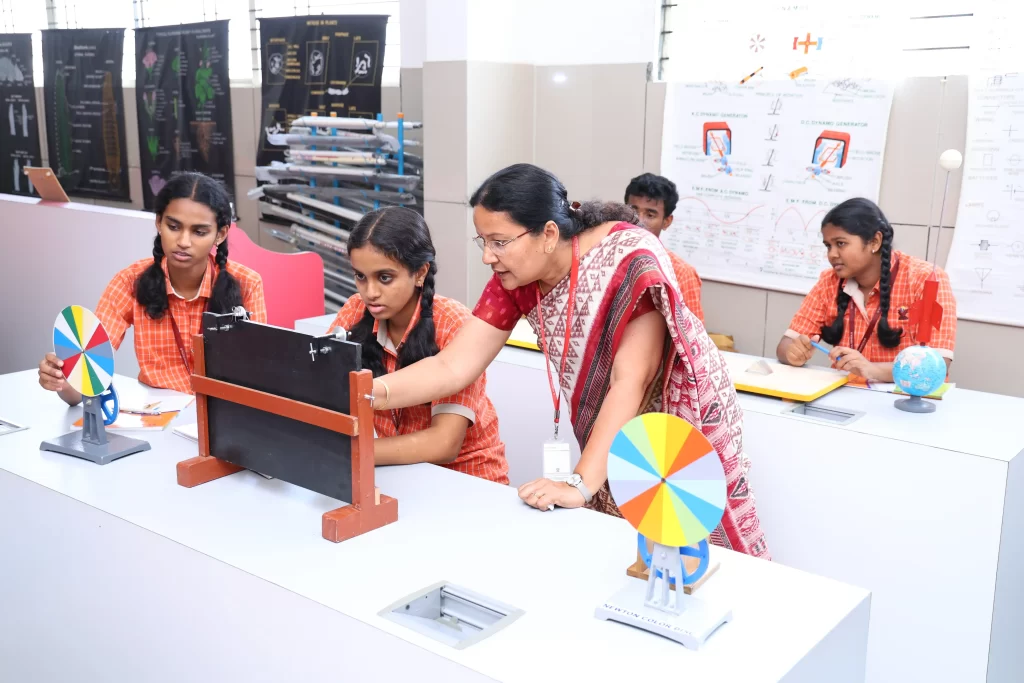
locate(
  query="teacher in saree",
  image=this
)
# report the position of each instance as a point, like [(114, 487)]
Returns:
[(600, 293)]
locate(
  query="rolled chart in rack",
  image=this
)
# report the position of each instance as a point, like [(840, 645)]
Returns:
[(667, 479), (80, 341)]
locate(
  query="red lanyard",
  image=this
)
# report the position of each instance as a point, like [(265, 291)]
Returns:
[(177, 340), (874, 318), (574, 274), (177, 336)]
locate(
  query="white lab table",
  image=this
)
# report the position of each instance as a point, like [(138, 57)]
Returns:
[(116, 573), (927, 511)]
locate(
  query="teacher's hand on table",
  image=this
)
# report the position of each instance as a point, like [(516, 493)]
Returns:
[(854, 362), (543, 493), (51, 377)]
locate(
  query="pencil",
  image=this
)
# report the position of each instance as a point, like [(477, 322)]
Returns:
[(751, 75)]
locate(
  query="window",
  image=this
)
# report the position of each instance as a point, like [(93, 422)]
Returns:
[(169, 12), (19, 16), (97, 14), (243, 42), (871, 38)]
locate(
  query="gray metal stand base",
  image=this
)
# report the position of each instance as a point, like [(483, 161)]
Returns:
[(93, 443), (117, 446), (915, 404)]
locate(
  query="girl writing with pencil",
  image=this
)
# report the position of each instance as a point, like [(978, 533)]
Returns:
[(399, 320), (164, 296), (861, 305)]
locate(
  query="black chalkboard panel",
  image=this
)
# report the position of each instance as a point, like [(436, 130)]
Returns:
[(278, 361)]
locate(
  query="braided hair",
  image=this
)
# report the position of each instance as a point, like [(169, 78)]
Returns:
[(402, 235), (151, 287), (862, 218), (532, 196)]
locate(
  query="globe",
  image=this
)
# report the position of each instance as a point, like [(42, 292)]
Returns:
[(919, 370)]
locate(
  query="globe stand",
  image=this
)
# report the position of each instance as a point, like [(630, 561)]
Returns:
[(649, 606), (93, 443), (915, 404)]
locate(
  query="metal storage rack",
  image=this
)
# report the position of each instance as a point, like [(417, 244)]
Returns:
[(335, 171)]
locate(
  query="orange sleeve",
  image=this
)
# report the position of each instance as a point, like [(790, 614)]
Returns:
[(350, 314), (689, 286), (944, 338), (253, 300), (449, 316), (116, 308), (815, 307)]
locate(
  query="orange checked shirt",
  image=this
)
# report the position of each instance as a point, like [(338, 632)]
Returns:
[(689, 284), (819, 308), (483, 453), (160, 363)]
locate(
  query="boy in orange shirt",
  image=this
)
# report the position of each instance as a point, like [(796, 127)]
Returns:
[(654, 197)]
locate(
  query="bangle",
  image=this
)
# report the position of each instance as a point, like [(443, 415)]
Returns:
[(387, 395)]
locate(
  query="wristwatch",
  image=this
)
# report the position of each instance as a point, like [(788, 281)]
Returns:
[(576, 481)]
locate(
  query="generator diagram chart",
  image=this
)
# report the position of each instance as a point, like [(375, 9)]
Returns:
[(986, 259), (84, 99), (759, 164)]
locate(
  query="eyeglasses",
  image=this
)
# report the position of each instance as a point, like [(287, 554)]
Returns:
[(497, 247)]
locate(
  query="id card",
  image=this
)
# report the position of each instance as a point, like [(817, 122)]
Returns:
[(557, 460)]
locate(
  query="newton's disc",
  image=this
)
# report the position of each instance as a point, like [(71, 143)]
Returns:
[(667, 479), (81, 342)]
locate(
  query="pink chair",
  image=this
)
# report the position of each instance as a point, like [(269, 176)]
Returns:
[(293, 284)]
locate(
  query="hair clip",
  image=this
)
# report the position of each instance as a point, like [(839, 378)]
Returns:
[(575, 208)]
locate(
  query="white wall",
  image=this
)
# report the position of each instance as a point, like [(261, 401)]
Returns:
[(413, 41), (537, 32), (595, 31), (55, 256)]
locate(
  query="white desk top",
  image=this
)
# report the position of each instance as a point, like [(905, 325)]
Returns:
[(970, 422), (556, 566)]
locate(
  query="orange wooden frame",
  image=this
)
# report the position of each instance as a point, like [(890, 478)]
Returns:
[(368, 510)]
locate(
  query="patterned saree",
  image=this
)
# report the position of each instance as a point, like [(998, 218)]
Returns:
[(693, 382)]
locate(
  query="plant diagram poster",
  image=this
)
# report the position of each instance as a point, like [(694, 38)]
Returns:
[(19, 131), (759, 164), (182, 93), (85, 111), (324, 65)]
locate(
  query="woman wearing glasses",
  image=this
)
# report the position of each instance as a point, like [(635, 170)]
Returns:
[(589, 280)]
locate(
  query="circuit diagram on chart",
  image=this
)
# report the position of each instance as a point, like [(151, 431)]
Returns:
[(986, 258), (757, 167)]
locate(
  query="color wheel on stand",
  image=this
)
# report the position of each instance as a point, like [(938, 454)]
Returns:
[(667, 479), (81, 342)]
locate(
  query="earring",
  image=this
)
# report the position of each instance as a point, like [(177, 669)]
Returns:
[(549, 249)]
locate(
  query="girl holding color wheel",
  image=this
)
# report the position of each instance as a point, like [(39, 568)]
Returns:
[(164, 296)]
